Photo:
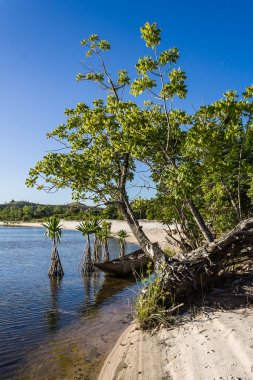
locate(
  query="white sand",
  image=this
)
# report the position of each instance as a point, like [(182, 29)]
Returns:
[(219, 347), (154, 230)]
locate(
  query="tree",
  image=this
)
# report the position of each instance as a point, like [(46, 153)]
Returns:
[(87, 228), (104, 234), (105, 142), (111, 211), (54, 232), (139, 206), (27, 212), (220, 144), (98, 161), (122, 234)]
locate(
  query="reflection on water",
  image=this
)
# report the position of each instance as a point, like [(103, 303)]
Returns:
[(56, 328), (52, 315), (112, 286)]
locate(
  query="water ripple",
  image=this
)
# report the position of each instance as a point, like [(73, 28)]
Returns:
[(34, 309)]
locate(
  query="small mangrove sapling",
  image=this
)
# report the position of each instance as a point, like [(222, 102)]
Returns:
[(122, 235), (54, 232), (86, 228)]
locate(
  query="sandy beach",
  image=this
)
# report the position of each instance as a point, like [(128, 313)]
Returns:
[(218, 346)]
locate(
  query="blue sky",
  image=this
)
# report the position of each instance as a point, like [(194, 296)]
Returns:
[(41, 55)]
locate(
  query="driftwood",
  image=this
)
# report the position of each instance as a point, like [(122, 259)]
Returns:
[(184, 274)]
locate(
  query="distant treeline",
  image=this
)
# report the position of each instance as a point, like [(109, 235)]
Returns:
[(28, 211)]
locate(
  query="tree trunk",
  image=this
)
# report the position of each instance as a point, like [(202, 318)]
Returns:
[(106, 256), (200, 221), (122, 249), (55, 269), (233, 203), (86, 263), (97, 249), (151, 249), (239, 184)]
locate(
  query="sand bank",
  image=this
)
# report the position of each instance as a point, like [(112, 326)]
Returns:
[(207, 348), (154, 230)]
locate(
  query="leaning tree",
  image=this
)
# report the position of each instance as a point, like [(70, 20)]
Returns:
[(105, 143), (54, 232)]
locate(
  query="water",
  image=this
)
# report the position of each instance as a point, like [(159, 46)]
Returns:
[(56, 329)]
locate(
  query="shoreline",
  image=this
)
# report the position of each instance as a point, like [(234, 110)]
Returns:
[(154, 230)]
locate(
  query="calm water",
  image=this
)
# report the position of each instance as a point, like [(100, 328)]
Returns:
[(50, 329)]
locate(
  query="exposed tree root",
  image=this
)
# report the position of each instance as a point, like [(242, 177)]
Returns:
[(183, 274)]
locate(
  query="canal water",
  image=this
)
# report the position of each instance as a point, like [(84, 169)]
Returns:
[(53, 329)]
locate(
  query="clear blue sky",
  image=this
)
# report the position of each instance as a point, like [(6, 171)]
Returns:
[(40, 55)]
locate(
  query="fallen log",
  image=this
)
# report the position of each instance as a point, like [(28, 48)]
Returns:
[(185, 273)]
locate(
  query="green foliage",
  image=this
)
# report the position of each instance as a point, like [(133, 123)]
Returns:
[(27, 212), (53, 229), (140, 207), (142, 84), (151, 34), (111, 211), (169, 252), (176, 86), (86, 227), (122, 234), (219, 144), (146, 64), (170, 55), (105, 231), (159, 67), (151, 304)]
